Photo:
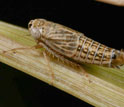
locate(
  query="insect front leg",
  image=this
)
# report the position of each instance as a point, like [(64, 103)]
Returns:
[(22, 48), (34, 47)]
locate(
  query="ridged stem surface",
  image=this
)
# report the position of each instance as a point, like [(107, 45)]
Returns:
[(103, 86)]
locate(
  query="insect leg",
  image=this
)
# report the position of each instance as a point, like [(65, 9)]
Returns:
[(34, 47), (50, 69), (83, 71), (75, 65), (116, 67), (22, 48)]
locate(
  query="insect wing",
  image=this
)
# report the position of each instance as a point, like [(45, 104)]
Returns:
[(63, 40)]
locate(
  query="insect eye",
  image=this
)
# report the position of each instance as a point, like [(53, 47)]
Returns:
[(29, 25), (113, 56)]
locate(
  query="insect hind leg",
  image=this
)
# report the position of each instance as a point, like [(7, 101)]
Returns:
[(75, 66)]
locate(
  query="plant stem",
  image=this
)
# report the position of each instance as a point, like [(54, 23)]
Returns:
[(106, 86)]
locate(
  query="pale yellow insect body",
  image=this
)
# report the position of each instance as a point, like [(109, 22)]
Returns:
[(68, 44)]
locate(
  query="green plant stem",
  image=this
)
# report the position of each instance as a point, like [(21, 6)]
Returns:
[(103, 86)]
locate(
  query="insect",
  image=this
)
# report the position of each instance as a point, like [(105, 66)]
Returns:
[(71, 45)]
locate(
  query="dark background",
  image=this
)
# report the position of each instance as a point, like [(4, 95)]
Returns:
[(98, 21)]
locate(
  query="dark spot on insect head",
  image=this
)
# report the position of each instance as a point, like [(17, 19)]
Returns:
[(29, 25)]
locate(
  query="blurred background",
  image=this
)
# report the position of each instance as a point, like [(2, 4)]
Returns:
[(101, 22)]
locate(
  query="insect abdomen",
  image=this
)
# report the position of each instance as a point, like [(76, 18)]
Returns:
[(90, 51)]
